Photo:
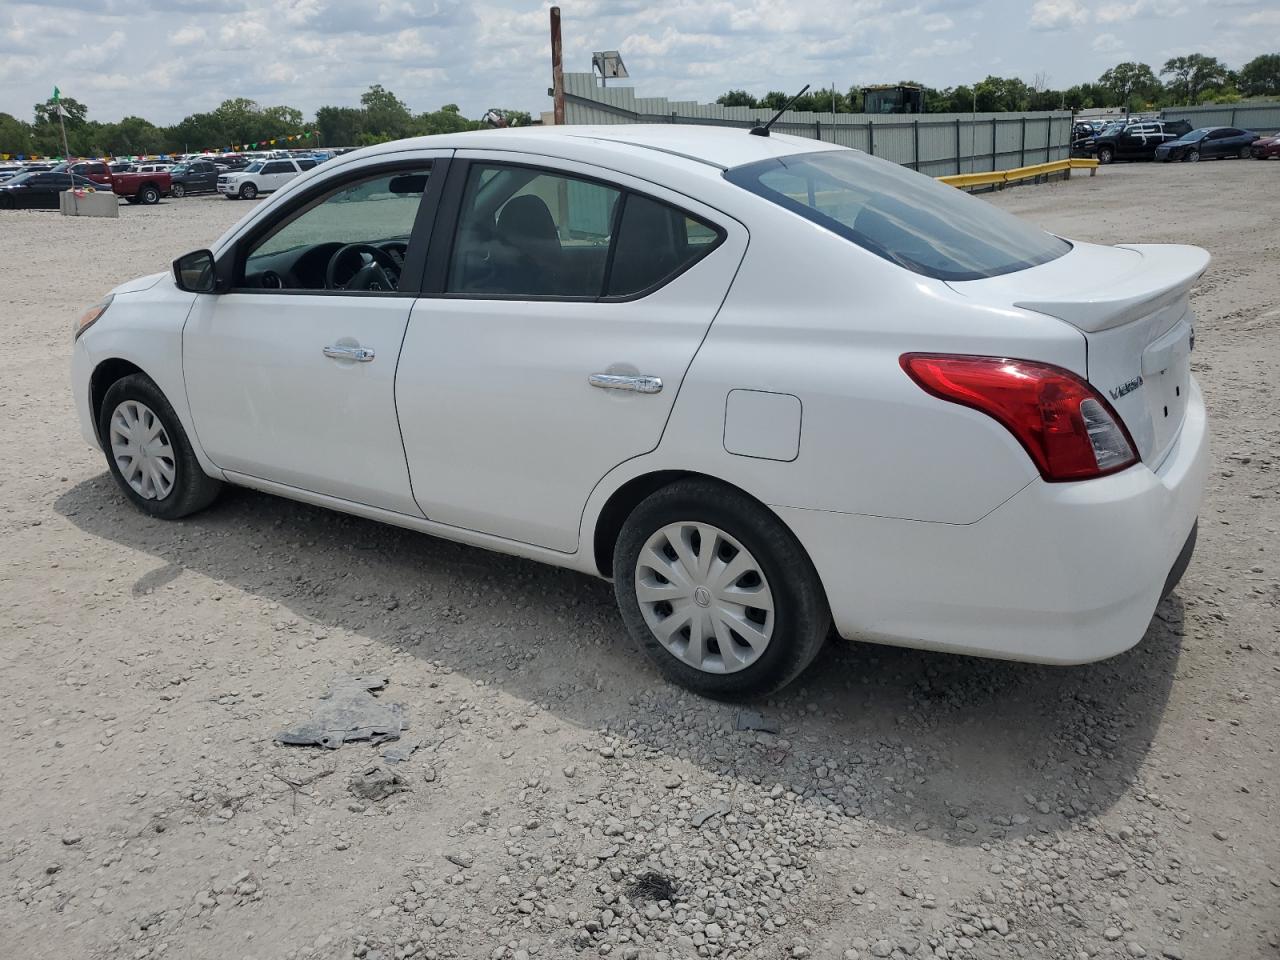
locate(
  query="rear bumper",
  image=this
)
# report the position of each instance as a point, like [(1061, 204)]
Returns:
[(1060, 573)]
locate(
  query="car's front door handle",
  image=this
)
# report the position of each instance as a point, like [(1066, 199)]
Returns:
[(635, 384), (345, 352)]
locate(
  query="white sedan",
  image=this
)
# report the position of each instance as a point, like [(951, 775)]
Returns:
[(766, 385)]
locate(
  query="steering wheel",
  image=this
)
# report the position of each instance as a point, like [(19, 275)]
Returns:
[(381, 273)]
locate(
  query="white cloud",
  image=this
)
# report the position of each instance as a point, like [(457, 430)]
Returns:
[(1058, 14), (1107, 43), (189, 57), (1121, 12)]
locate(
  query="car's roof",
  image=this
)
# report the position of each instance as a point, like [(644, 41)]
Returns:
[(721, 147)]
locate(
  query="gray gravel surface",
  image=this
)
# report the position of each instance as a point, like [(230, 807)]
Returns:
[(563, 801)]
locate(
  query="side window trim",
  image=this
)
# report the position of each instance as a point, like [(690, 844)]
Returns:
[(227, 263), (444, 235)]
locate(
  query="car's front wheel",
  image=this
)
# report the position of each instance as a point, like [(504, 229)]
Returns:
[(1193, 156), (249, 192), (717, 592), (1105, 155), (148, 452)]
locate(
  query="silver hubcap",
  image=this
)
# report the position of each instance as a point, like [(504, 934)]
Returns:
[(142, 451), (704, 597)]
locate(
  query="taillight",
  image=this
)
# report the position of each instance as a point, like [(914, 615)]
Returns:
[(1067, 428)]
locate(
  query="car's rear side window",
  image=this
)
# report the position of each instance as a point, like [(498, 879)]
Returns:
[(903, 216), (529, 232)]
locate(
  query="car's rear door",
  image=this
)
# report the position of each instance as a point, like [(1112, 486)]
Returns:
[(553, 343), (291, 378)]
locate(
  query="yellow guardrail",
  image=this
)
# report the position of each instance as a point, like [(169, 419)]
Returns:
[(999, 178)]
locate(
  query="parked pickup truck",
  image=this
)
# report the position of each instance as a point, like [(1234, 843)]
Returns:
[(261, 176), (145, 188)]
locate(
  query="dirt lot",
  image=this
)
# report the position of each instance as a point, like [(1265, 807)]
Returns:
[(908, 804)]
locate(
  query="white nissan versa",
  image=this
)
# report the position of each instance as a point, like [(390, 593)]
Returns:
[(763, 383)]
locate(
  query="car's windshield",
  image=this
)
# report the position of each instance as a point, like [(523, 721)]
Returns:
[(253, 167), (180, 168), (1198, 134), (903, 216), (19, 178), (1111, 129)]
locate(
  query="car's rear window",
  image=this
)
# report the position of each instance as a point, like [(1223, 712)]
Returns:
[(903, 216)]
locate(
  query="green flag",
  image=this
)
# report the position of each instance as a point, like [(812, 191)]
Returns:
[(57, 95)]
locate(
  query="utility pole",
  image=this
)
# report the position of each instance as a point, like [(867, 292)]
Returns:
[(557, 69)]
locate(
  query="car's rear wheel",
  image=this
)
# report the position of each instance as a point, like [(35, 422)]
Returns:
[(179, 191), (148, 452), (1245, 153), (1105, 155), (717, 592), (249, 192), (1193, 156)]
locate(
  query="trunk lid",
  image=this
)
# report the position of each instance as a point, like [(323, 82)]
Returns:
[(1131, 303)]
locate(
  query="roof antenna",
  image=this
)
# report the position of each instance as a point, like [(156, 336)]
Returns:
[(762, 130)]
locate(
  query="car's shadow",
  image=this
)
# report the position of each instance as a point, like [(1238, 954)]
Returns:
[(963, 748)]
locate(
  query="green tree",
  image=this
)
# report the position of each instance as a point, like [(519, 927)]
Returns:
[(386, 115), (131, 136), (196, 132), (15, 135), (278, 121), (1192, 74), (736, 98), (240, 120), (340, 126), (1260, 77), (75, 113), (1129, 82)]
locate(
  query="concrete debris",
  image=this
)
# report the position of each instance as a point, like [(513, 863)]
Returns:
[(378, 783), (349, 712), (753, 720)]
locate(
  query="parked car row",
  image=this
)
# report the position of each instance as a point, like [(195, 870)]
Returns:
[(236, 176), (1166, 140)]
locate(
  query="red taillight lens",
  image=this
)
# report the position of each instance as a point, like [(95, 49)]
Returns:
[(1069, 430)]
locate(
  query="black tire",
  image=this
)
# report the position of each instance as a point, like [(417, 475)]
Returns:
[(1245, 153), (1105, 155), (149, 195), (802, 618), (1192, 156), (193, 489), (249, 192), (178, 190)]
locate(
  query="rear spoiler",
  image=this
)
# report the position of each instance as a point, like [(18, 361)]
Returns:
[(1166, 273)]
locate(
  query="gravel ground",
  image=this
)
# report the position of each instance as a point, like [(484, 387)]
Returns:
[(565, 801)]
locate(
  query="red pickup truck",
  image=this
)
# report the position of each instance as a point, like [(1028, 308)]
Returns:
[(145, 188)]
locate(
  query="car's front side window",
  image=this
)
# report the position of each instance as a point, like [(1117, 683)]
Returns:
[(354, 237)]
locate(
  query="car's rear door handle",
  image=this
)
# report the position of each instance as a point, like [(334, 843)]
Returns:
[(345, 352), (634, 384)]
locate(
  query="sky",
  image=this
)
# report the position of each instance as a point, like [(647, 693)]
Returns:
[(165, 59)]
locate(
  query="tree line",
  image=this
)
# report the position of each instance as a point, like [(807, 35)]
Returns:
[(381, 116), (1192, 79)]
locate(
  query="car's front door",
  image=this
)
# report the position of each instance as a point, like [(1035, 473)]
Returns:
[(290, 373), (554, 340)]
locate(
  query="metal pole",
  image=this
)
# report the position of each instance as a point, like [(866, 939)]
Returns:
[(66, 150), (1022, 156), (557, 69), (993, 143), (915, 150), (871, 138)]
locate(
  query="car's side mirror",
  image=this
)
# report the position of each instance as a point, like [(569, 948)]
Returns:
[(194, 272)]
